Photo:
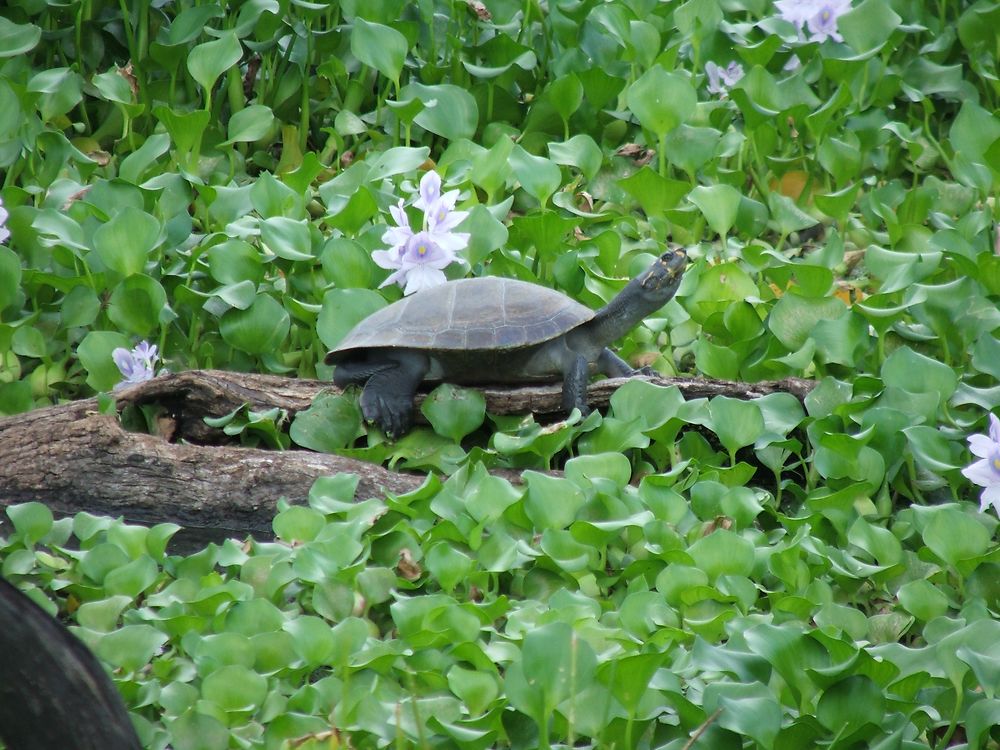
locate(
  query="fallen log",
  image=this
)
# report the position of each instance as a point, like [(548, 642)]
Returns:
[(73, 458)]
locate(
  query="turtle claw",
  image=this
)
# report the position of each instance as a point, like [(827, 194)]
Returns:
[(391, 415)]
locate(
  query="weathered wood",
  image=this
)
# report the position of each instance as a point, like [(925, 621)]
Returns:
[(53, 691), (73, 458)]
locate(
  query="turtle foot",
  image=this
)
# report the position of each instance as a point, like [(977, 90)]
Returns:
[(392, 414)]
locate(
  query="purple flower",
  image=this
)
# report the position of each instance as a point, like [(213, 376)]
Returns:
[(137, 365), (418, 257), (986, 471), (823, 23), (4, 214), (820, 16), (721, 79), (418, 266), (796, 12)]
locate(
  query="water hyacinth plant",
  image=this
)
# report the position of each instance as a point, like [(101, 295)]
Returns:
[(418, 257), (807, 569), (136, 365)]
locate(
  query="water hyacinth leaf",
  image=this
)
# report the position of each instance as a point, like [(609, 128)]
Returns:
[(476, 689), (131, 647), (398, 160), (660, 100), (209, 60), (298, 524), (537, 175), (133, 578), (32, 521), (250, 124), (723, 552), (551, 502), (955, 537), (126, 241), (234, 688), (719, 204), (136, 305), (95, 355), (450, 111), (454, 412), (794, 317), (655, 193), (565, 94), (199, 731), (286, 238), (738, 423), (314, 641), (28, 341), (328, 425), (868, 26), (922, 599), (259, 329), (10, 276), (235, 261), (580, 151), (718, 286), (79, 307), (851, 703), (342, 310), (380, 47), (749, 710), (917, 373), (17, 38), (448, 565), (555, 663)]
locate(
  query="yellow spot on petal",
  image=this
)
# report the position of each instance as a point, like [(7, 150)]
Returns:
[(422, 250)]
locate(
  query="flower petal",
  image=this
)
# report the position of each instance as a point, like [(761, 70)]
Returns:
[(982, 473), (990, 496), (981, 446), (387, 258), (423, 277)]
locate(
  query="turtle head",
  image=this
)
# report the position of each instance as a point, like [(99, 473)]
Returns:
[(658, 283)]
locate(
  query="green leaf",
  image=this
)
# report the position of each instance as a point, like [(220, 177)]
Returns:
[(234, 688), (660, 100), (95, 355), (793, 318), (551, 502), (126, 241), (250, 124), (259, 329), (17, 38), (209, 60), (454, 412), (917, 373), (131, 647), (136, 305), (868, 26), (537, 175), (32, 521), (342, 310), (298, 524), (719, 204), (287, 238), (450, 111), (380, 47), (328, 425), (723, 552), (10, 277), (955, 536)]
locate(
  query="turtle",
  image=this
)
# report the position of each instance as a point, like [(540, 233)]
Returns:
[(492, 330)]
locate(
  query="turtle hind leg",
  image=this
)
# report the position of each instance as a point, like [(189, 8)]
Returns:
[(357, 372), (575, 378), (387, 399)]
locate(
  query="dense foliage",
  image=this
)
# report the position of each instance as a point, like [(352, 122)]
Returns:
[(723, 574)]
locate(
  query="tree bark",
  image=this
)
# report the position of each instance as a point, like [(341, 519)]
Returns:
[(73, 458)]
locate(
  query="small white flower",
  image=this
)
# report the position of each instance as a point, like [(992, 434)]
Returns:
[(137, 365), (986, 471), (720, 79), (796, 12), (419, 265)]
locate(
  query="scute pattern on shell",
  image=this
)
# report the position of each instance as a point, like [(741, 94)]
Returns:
[(488, 313)]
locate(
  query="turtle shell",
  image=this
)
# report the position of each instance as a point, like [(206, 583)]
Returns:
[(483, 314)]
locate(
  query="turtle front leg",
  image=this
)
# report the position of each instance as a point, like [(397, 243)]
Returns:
[(387, 399), (575, 377)]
